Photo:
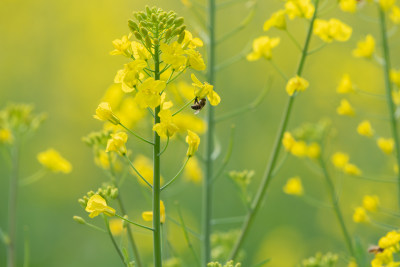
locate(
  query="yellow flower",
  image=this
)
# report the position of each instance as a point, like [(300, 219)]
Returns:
[(193, 140), (130, 113), (296, 84), (371, 203), (203, 90), (276, 20), (104, 113), (352, 263), (97, 205), (6, 136), (165, 128), (293, 186), (173, 54), (299, 149), (185, 121), (345, 108), (386, 144), (314, 151), (331, 30), (117, 143), (195, 60), (360, 215), (122, 46), (144, 166), (391, 239), (191, 42), (148, 215), (193, 172), (288, 141), (140, 52), (365, 129), (130, 75), (299, 8), (345, 85), (116, 226), (352, 169), (395, 77), (348, 5), (53, 161), (340, 159), (149, 93), (365, 48), (395, 15), (386, 4), (113, 96), (385, 258), (262, 47)]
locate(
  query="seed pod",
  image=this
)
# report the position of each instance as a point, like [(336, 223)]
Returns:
[(179, 21), (137, 35), (133, 25)]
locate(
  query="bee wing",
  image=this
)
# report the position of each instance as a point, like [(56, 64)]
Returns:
[(197, 112)]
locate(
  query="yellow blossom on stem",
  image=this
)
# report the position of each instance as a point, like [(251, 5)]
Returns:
[(276, 20), (395, 76), (371, 203), (365, 48), (104, 113), (6, 136), (148, 94), (173, 54), (116, 226), (345, 108), (130, 75), (348, 5), (365, 129), (122, 46), (313, 151), (262, 47), (384, 258), (193, 171), (391, 239), (148, 215), (299, 149), (294, 187), (386, 4), (395, 15), (288, 141), (165, 128), (206, 89), (193, 140), (296, 84), (195, 60), (352, 169), (53, 161), (96, 205), (117, 143), (332, 30), (386, 145), (191, 42), (140, 52), (345, 86), (299, 8), (340, 159), (360, 215)]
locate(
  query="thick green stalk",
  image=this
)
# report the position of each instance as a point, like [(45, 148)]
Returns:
[(207, 190), (12, 209), (332, 192), (157, 172), (256, 204), (388, 86)]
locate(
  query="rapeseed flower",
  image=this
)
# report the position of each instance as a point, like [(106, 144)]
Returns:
[(117, 143), (352, 169), (6, 136), (276, 20), (391, 239), (53, 161), (299, 149), (365, 48), (96, 205), (122, 46), (332, 30), (165, 128), (262, 47), (296, 84), (195, 60), (193, 141), (299, 8), (340, 160), (206, 89), (288, 141), (384, 258), (371, 203), (360, 215), (345, 86), (365, 129), (140, 51), (314, 150), (395, 15), (148, 94), (294, 187), (173, 54), (386, 145), (191, 42), (345, 108), (348, 5), (104, 113), (148, 215), (131, 74)]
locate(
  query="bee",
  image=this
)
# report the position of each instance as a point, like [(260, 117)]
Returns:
[(198, 104), (375, 249)]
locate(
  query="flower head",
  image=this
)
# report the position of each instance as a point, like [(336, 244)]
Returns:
[(296, 84), (6, 136), (195, 60), (96, 205), (122, 46), (360, 215), (193, 141), (371, 203), (148, 215), (299, 8), (53, 161), (391, 239), (262, 47), (206, 89), (191, 42), (345, 85), (365, 129), (173, 54), (345, 108), (104, 113), (365, 48), (386, 145), (149, 93), (352, 169), (293, 187), (277, 20), (332, 30), (117, 143), (348, 5), (130, 75), (165, 128), (340, 159), (395, 15)]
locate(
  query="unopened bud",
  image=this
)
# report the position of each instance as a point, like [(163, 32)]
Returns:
[(144, 32), (168, 34), (114, 193), (179, 21), (148, 42), (148, 11), (79, 219), (154, 17), (137, 35), (142, 15), (90, 193), (133, 25), (181, 37), (170, 21), (82, 202)]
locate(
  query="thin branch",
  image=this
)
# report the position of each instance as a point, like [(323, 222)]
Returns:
[(176, 176), (137, 172), (135, 134)]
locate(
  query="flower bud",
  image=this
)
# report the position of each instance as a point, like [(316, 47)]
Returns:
[(141, 15), (90, 193), (170, 21), (104, 113), (148, 10), (148, 42), (154, 17), (137, 35), (79, 219), (179, 21), (144, 32), (133, 25), (181, 37), (167, 34), (82, 202), (114, 193)]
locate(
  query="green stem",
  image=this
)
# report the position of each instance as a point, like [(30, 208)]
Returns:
[(182, 108), (186, 235), (227, 156), (207, 189), (165, 148), (335, 203), (135, 134), (157, 241), (137, 172), (256, 204), (12, 208), (137, 224), (33, 178), (176, 176), (113, 240), (294, 40), (388, 86)]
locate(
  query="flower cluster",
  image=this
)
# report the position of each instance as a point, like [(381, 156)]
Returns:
[(341, 161)]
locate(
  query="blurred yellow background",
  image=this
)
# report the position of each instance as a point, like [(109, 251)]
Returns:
[(55, 55)]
